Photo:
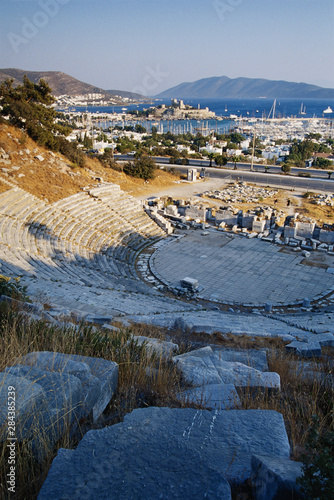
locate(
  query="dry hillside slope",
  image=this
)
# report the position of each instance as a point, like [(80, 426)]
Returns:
[(51, 176)]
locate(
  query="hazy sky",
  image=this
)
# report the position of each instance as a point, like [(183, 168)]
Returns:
[(150, 45)]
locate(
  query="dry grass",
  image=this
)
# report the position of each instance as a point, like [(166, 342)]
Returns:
[(282, 196), (148, 380), (303, 394), (3, 187), (322, 214), (144, 380), (55, 177)]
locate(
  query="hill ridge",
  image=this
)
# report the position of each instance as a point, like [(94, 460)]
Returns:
[(64, 84), (243, 87)]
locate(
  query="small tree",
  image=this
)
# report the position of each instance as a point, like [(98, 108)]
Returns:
[(286, 168), (154, 133), (28, 106), (211, 157), (143, 167), (220, 160), (140, 129)]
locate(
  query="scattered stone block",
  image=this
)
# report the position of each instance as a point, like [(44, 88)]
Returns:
[(256, 358), (258, 226), (326, 236), (305, 349), (157, 346), (213, 396), (29, 398), (205, 367), (98, 377), (54, 414), (197, 367), (289, 232), (268, 307), (98, 320), (306, 302), (305, 229), (111, 328), (167, 453), (244, 376), (325, 339), (275, 477)]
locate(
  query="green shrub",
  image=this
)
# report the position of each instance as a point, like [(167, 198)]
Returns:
[(143, 167), (308, 194), (28, 107), (286, 168), (304, 174), (12, 288), (317, 480)]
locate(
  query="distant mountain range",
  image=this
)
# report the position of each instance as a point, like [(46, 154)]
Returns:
[(219, 87), (62, 84)]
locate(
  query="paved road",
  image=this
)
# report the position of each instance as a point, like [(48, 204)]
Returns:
[(273, 169), (282, 181)]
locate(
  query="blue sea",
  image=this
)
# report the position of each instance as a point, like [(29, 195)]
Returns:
[(243, 107), (247, 108)]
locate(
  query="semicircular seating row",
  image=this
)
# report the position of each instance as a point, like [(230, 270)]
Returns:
[(88, 238)]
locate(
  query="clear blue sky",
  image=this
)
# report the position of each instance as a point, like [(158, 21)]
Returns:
[(152, 45)]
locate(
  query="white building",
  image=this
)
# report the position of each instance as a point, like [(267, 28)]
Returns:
[(234, 152)]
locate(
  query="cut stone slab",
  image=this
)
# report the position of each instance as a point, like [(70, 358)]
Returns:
[(111, 328), (275, 477), (213, 397), (51, 416), (98, 320), (158, 473), (63, 392), (167, 453), (244, 376), (251, 357), (29, 398), (305, 349), (325, 339), (197, 367), (205, 367), (157, 346), (99, 377)]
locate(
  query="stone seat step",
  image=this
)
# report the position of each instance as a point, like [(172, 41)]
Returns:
[(9, 197)]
